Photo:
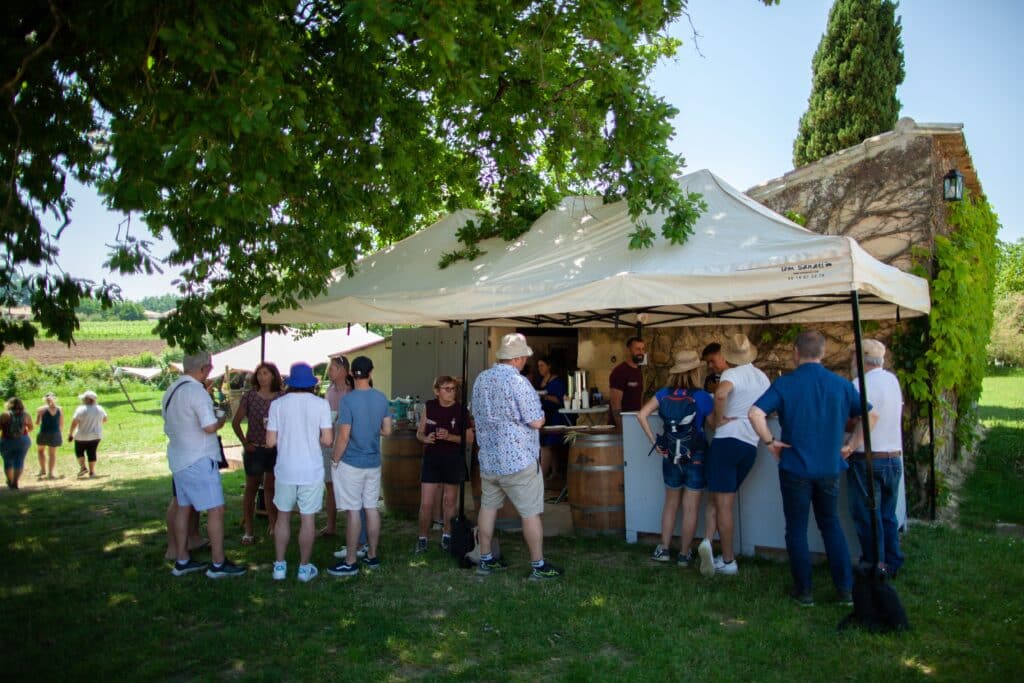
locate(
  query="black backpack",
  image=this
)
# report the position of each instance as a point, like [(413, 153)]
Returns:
[(679, 438)]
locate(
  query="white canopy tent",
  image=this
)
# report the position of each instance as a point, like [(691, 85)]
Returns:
[(744, 263), (286, 347)]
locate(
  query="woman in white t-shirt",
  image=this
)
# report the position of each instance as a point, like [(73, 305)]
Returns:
[(299, 424), (734, 447), (87, 431)]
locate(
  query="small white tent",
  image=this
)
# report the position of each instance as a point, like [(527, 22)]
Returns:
[(743, 263), (286, 347)]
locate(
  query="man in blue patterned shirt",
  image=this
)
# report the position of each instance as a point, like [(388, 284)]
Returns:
[(508, 419)]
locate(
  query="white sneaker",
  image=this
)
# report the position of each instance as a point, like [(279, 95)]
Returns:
[(280, 571), (307, 573), (707, 561), (361, 552), (726, 568)]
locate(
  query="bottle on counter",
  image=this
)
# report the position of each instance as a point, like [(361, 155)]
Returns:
[(416, 408)]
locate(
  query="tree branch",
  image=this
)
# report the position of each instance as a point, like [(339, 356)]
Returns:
[(59, 23)]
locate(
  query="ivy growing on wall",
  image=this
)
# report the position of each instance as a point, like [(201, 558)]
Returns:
[(946, 355)]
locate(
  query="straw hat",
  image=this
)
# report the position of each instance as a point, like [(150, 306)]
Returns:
[(685, 360), (513, 346), (737, 350)]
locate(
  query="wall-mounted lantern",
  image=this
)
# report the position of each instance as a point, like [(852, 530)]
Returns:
[(953, 186)]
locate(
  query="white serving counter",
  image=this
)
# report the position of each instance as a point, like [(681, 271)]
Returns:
[(760, 526)]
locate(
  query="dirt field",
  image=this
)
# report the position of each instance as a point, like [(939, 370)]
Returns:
[(49, 352)]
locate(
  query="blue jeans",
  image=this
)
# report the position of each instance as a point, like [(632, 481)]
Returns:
[(798, 495), (888, 472)]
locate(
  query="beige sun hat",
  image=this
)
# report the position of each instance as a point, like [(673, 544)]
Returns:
[(513, 346), (686, 360), (88, 394), (737, 350)]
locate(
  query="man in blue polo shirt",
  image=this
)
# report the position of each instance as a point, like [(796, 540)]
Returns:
[(813, 405)]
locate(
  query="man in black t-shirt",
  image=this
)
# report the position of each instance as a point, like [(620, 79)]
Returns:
[(627, 381)]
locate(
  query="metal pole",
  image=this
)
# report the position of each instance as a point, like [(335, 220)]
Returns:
[(865, 422), (263, 343), (466, 449), (931, 464)]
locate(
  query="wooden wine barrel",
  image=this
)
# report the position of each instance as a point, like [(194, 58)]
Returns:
[(508, 518), (401, 459), (596, 485)]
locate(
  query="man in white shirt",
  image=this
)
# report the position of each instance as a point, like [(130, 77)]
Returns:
[(887, 462), (193, 454), (299, 426)]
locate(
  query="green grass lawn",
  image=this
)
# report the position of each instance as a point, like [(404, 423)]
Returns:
[(86, 594), (128, 430), (994, 491)]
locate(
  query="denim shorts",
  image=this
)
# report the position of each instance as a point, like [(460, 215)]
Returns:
[(690, 475), (199, 486)]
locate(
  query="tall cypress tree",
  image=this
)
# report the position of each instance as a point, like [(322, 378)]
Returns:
[(856, 70)]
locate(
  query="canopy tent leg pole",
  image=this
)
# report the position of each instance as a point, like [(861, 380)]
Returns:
[(466, 449), (113, 370), (865, 423), (263, 343)]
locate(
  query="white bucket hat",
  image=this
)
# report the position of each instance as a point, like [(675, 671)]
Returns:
[(513, 346)]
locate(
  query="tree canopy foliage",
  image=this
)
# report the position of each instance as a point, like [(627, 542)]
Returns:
[(274, 141), (1010, 272), (856, 69), (1007, 344)]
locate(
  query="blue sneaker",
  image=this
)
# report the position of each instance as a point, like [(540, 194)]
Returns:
[(342, 569), (226, 570), (661, 554), (182, 568), (372, 563), (488, 567), (544, 572)]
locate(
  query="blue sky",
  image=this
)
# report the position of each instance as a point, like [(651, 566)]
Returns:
[(741, 101)]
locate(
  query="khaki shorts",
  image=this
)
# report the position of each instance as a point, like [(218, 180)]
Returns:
[(356, 488), (524, 488), (308, 497)]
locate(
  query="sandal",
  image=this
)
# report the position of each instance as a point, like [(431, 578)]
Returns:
[(248, 539)]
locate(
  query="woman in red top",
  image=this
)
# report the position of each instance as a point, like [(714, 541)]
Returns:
[(444, 467), (257, 458)]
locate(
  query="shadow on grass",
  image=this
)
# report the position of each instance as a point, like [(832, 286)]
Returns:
[(1001, 414)]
